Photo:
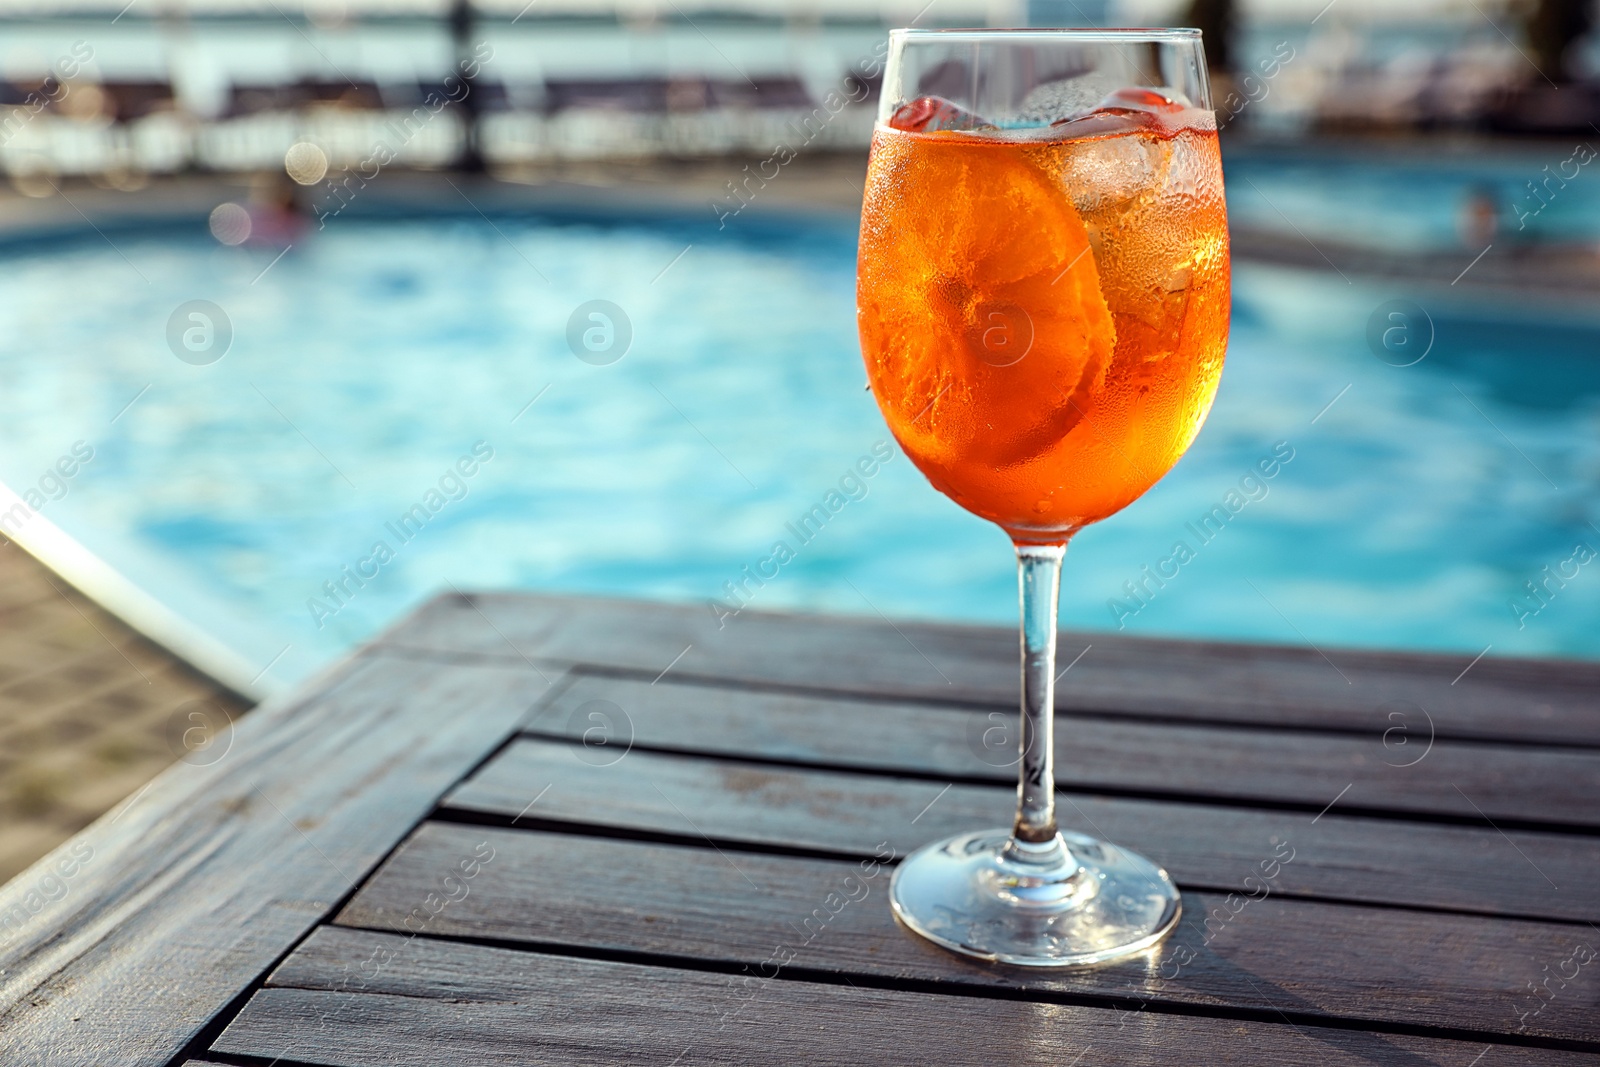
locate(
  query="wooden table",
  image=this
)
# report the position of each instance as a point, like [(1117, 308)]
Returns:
[(1384, 860)]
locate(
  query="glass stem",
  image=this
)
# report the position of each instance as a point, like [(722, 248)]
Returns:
[(1039, 579)]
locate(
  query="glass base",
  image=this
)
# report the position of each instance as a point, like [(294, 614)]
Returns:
[(1063, 903)]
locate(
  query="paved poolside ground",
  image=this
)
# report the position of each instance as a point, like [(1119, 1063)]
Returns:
[(87, 708)]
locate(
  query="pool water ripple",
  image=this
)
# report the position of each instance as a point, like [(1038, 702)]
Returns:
[(371, 358)]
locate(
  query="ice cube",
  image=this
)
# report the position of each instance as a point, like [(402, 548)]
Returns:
[(927, 114), (1168, 101), (1118, 161), (1125, 109), (1155, 247), (1103, 122), (1065, 98)]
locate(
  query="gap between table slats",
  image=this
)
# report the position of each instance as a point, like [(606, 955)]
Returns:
[(1402, 770), (1310, 959), (1540, 700), (758, 807), (437, 1001)]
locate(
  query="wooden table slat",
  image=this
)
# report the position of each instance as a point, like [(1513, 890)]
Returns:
[(194, 889), (434, 1001), (1552, 701), (1400, 769), (1545, 876), (1453, 972), (558, 903)]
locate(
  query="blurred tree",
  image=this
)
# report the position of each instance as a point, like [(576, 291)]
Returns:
[(1215, 20), (1552, 28)]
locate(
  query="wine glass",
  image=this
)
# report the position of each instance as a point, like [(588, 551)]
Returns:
[(1042, 298)]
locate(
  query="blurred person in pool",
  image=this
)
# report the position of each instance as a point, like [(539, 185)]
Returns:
[(1044, 311)]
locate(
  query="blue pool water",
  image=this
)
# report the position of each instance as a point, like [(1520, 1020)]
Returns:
[(1540, 193), (371, 359)]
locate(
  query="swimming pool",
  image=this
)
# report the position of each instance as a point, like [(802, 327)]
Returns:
[(1539, 193), (377, 391)]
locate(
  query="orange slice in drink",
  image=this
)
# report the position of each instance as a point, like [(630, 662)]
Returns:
[(984, 329)]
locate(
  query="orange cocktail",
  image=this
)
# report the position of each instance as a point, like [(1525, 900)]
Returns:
[(1043, 303), (1043, 315)]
